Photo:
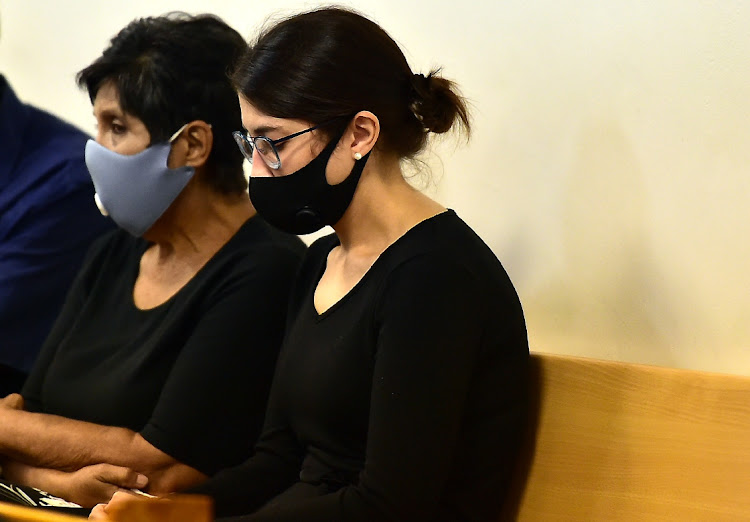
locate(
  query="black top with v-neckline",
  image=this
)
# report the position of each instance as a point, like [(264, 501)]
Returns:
[(334, 242), (403, 401)]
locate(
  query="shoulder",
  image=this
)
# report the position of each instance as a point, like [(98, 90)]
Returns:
[(56, 148), (443, 243), (321, 247), (444, 256), (114, 246), (316, 256), (110, 256), (256, 258), (54, 137), (258, 237)]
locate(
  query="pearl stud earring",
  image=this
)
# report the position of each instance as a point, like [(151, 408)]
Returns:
[(357, 156)]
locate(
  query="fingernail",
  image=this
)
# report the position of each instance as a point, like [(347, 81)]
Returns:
[(141, 480)]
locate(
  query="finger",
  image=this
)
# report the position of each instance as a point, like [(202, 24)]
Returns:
[(99, 513), (120, 497), (120, 476), (14, 401)]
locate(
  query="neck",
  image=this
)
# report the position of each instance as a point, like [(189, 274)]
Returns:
[(198, 224), (384, 208)]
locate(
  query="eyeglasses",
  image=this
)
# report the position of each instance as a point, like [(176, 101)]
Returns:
[(266, 147)]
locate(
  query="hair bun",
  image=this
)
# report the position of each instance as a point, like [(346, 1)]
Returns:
[(436, 104)]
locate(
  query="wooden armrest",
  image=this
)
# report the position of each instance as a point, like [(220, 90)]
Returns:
[(176, 508)]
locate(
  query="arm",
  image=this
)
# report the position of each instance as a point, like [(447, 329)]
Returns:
[(58, 443), (87, 486), (274, 467)]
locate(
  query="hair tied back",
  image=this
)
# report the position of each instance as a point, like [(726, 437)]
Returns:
[(436, 103)]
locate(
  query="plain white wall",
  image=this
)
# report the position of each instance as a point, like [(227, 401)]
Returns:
[(609, 167)]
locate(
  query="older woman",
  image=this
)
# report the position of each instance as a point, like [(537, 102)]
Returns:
[(156, 373)]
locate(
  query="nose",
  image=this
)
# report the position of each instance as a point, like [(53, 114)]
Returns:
[(260, 169)]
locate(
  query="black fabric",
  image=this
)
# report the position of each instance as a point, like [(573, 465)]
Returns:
[(405, 401), (191, 375), (11, 380)]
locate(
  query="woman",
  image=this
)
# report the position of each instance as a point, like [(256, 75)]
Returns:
[(400, 390), (156, 373)]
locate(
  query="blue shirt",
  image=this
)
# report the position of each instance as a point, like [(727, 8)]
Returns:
[(48, 219)]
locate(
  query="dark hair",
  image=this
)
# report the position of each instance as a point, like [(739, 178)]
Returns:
[(173, 69), (333, 62)]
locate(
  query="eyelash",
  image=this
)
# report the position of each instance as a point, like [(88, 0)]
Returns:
[(117, 128)]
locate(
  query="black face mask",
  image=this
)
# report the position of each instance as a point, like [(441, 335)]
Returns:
[(303, 202)]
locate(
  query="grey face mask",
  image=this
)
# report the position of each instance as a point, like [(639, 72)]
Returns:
[(135, 190)]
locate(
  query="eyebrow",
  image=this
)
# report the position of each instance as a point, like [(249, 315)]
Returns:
[(264, 130), (109, 113)]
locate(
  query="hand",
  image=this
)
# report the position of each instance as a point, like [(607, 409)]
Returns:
[(98, 483), (14, 401), (100, 512), (124, 506)]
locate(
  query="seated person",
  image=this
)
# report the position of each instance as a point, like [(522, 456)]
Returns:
[(400, 391), (47, 222), (156, 373)]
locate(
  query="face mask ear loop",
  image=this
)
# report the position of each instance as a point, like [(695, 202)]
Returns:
[(179, 131)]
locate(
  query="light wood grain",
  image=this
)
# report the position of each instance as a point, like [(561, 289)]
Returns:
[(623, 442), (18, 513), (176, 508)]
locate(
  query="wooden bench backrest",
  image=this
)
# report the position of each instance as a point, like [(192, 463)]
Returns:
[(614, 441)]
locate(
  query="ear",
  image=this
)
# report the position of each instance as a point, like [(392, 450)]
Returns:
[(365, 130), (193, 146)]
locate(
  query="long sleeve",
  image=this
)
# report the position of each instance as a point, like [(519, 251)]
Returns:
[(48, 220), (273, 468)]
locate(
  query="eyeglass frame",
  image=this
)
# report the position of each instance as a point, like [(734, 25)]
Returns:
[(243, 138)]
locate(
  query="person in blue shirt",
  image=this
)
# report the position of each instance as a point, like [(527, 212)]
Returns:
[(48, 220)]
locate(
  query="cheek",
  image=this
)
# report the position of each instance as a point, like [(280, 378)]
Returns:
[(259, 169), (339, 167), (102, 138), (128, 144)]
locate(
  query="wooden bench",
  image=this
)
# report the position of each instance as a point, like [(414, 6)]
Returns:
[(612, 441), (180, 508)]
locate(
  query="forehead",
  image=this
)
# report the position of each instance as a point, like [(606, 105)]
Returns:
[(107, 100), (259, 123)]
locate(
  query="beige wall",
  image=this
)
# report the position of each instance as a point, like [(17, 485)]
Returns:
[(610, 165)]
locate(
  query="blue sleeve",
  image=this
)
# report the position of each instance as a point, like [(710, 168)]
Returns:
[(41, 249)]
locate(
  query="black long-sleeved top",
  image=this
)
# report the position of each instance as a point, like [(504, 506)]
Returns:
[(404, 401)]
